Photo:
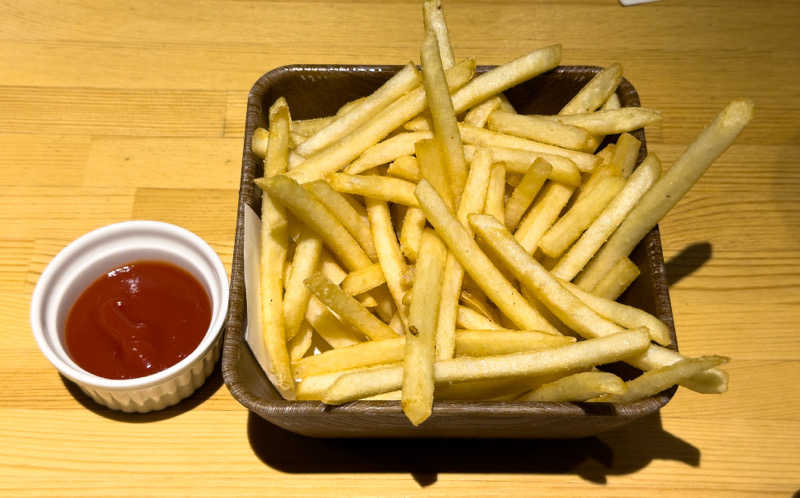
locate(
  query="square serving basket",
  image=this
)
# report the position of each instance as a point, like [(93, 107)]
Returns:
[(319, 90)]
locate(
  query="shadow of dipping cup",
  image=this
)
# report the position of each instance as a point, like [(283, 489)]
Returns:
[(88, 258)]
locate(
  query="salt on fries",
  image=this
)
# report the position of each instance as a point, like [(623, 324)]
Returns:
[(446, 247)]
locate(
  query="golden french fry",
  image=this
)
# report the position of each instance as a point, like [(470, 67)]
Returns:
[(612, 103), (596, 92), (299, 344), (443, 118), (304, 264), (363, 280), (348, 309), (578, 355), (311, 212), (540, 129), (433, 168), (617, 161), (389, 255), (313, 387), (474, 298), (669, 189), (387, 151), (383, 188), (542, 215), (495, 194), (476, 263), (434, 21), (328, 327), (417, 398), (259, 142), (404, 81), (614, 283), (411, 232), (308, 127), (581, 386), (469, 319), (405, 167), (710, 381), (578, 218), (604, 225), (360, 355), (342, 152), (478, 115), (330, 268), (613, 121), (349, 106), (523, 194), (493, 342), (519, 161)]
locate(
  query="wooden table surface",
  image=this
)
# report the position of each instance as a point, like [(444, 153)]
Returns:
[(136, 111)]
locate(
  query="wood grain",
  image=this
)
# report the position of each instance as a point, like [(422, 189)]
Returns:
[(112, 111)]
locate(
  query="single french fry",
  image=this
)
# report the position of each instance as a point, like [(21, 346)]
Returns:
[(578, 355), (434, 21), (259, 142), (654, 381), (328, 327), (578, 218), (505, 104), (443, 118), (360, 355), (477, 264), (581, 386), (313, 387), (349, 106), (385, 307), (596, 92), (566, 307), (411, 232), (669, 189), (343, 210), (404, 81), (295, 300), (417, 398), (433, 168), (331, 268), (383, 188), (614, 283), (296, 139), (519, 161), (363, 280), (314, 214), (604, 225), (308, 127), (387, 151), (343, 151), (300, 344), (474, 298), (390, 396), (612, 103), (478, 115), (405, 167), (622, 314), (348, 309), (367, 301), (495, 194), (710, 381), (523, 194), (540, 129), (480, 136), (542, 215), (613, 121), (626, 153), (469, 319), (503, 341)]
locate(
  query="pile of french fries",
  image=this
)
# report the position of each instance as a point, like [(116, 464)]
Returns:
[(429, 242)]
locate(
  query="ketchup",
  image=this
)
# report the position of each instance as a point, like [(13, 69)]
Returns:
[(137, 319)]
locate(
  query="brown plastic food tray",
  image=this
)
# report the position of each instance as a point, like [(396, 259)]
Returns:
[(319, 90)]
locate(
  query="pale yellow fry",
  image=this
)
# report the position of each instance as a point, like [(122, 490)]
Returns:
[(495, 194), (434, 21), (314, 214), (296, 139), (420, 123), (300, 344), (363, 280), (443, 118), (396, 323), (349, 106), (478, 115), (360, 355), (577, 387), (330, 328), (469, 319), (542, 215), (596, 92), (604, 225), (622, 314), (613, 121), (330, 268), (346, 149), (503, 341), (539, 128), (343, 210), (390, 396), (398, 85), (472, 201), (313, 387), (612, 103), (411, 232), (669, 189), (654, 381), (389, 255), (505, 105), (578, 218), (474, 298), (547, 290), (367, 301), (382, 188), (614, 283), (578, 355), (503, 77), (276, 160), (477, 264), (433, 168), (480, 136), (606, 154), (308, 127), (618, 161), (259, 142), (417, 399), (348, 309), (387, 151), (518, 161), (304, 264), (385, 307), (711, 381), (523, 194), (405, 167)]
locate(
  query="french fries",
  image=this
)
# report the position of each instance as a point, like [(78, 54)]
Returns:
[(511, 294)]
